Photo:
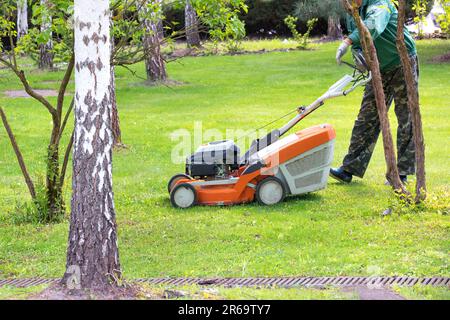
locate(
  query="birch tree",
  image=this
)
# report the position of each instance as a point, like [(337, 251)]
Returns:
[(45, 50), (92, 254), (22, 18), (191, 25)]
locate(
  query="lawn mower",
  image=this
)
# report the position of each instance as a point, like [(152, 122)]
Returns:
[(273, 167)]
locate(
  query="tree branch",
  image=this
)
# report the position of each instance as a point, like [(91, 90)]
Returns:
[(63, 86), (413, 104), (28, 89), (370, 54), (66, 160), (66, 118), (19, 156)]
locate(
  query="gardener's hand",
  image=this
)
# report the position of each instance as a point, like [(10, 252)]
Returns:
[(342, 50)]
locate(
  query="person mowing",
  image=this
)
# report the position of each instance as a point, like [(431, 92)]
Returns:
[(380, 17)]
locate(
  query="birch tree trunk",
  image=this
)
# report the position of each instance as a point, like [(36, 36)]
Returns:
[(154, 61), (22, 18), (191, 25), (45, 50), (334, 28), (370, 54), (414, 105), (92, 254)]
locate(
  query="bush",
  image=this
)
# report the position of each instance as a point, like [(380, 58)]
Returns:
[(444, 19), (301, 39), (34, 211)]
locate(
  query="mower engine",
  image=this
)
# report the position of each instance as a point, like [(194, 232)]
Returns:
[(215, 160)]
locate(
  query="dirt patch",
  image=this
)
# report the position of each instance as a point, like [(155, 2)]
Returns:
[(445, 58), (58, 292), (23, 94), (185, 52), (167, 83), (366, 293)]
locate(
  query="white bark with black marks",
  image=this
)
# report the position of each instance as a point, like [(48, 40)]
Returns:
[(93, 232), (154, 61), (22, 18), (191, 25)]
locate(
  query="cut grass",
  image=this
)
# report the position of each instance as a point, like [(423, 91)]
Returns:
[(334, 232), (13, 293), (419, 292)]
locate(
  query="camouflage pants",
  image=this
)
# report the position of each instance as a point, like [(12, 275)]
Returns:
[(367, 126)]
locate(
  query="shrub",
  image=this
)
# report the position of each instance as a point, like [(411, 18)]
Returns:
[(34, 211), (301, 39)]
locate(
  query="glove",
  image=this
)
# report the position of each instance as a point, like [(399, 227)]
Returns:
[(341, 51)]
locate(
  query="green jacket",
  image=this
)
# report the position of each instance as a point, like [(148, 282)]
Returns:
[(380, 17)]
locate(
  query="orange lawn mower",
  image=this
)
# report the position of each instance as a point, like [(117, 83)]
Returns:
[(273, 167)]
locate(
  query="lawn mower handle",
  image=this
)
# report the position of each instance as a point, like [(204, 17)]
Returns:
[(337, 90)]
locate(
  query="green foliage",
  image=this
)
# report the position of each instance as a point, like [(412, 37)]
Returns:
[(301, 39), (444, 19), (7, 26), (35, 211), (59, 17), (223, 22), (420, 9)]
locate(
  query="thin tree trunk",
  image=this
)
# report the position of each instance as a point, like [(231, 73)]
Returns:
[(116, 132), (54, 191), (92, 254), (154, 61), (19, 156), (414, 105), (334, 28), (160, 28), (191, 25), (22, 18), (370, 53), (45, 50), (115, 122)]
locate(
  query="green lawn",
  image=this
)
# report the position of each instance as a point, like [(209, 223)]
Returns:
[(338, 231)]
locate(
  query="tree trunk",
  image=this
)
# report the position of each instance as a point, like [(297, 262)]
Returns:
[(45, 50), (370, 54), (22, 18), (334, 28), (54, 188), (154, 61), (92, 254), (115, 123), (191, 25), (414, 105), (160, 28)]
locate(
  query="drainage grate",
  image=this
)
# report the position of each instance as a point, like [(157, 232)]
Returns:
[(283, 282)]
